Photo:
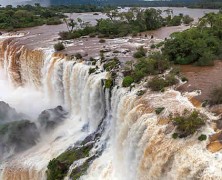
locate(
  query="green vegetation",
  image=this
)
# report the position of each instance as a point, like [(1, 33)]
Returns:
[(216, 96), (155, 64), (174, 21), (108, 83), (118, 24), (111, 64), (81, 153), (199, 45), (59, 46), (140, 92), (188, 123), (187, 19), (58, 167), (153, 46), (92, 70), (157, 84), (12, 18), (141, 52), (148, 66), (175, 135), (28, 16), (159, 110), (127, 81), (206, 4), (171, 80), (80, 170), (202, 137), (177, 20), (53, 21)]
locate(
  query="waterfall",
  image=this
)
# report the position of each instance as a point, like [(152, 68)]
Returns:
[(131, 140), (62, 81)]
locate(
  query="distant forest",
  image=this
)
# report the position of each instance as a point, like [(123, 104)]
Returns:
[(212, 4)]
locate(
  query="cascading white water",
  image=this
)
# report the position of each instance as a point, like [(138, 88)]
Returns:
[(136, 144), (142, 149), (65, 82)]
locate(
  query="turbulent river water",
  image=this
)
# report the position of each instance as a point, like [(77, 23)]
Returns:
[(134, 142)]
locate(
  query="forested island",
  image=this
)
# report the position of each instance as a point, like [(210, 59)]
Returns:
[(23, 16)]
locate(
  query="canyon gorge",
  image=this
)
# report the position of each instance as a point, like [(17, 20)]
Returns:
[(71, 119)]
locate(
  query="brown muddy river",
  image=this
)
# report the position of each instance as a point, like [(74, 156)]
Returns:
[(43, 36), (202, 78)]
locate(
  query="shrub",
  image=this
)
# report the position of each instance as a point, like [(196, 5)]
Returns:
[(127, 81), (92, 70), (175, 21), (184, 79), (216, 96), (141, 52), (78, 56), (205, 103), (175, 70), (92, 60), (188, 123), (145, 67), (111, 64), (171, 80), (64, 35), (157, 84), (159, 110), (175, 135), (53, 21), (92, 35), (59, 46), (187, 19), (160, 62), (197, 45), (69, 35), (58, 167), (153, 46), (116, 51), (102, 41), (160, 44), (108, 83), (138, 54), (140, 92), (202, 137)]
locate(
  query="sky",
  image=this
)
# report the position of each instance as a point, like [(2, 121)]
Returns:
[(16, 2), (7, 2)]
